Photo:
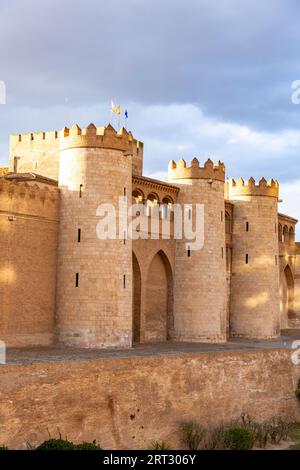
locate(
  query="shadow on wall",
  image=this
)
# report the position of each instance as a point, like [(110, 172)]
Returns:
[(153, 300)]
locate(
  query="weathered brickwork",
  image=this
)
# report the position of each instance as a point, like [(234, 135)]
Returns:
[(127, 403), (200, 275), (97, 312), (255, 300), (29, 215), (61, 282)]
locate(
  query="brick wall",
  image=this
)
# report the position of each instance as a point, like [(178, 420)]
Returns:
[(126, 403), (28, 243)]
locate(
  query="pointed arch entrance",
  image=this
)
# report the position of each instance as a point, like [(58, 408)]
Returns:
[(136, 300), (159, 295), (286, 295)]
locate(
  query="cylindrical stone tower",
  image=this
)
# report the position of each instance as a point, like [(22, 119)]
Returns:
[(94, 287), (255, 302), (200, 275)]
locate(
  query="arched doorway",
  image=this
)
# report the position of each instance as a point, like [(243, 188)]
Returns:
[(286, 296), (136, 300), (158, 313)]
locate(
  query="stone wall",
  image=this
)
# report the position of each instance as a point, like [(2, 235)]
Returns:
[(200, 289), (126, 403), (36, 152), (95, 310), (255, 302), (28, 243)]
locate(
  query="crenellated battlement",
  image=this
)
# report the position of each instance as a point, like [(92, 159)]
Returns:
[(99, 137), (24, 190), (210, 170), (91, 136), (251, 188), (32, 138)]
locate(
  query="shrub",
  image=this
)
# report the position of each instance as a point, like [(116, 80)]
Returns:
[(261, 433), (215, 438), (160, 445), (56, 444), (88, 446), (278, 429), (3, 447), (238, 439), (192, 434)]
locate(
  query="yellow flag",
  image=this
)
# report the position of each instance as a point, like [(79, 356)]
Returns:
[(113, 109), (118, 110)]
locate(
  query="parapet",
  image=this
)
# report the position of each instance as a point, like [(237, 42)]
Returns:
[(251, 188), (28, 191), (210, 171), (99, 137), (48, 138)]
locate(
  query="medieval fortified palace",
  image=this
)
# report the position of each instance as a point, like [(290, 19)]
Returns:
[(59, 282)]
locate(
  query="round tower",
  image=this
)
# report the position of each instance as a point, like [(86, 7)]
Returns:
[(200, 274), (94, 292), (255, 303)]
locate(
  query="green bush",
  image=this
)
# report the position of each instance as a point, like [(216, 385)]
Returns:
[(192, 434), (56, 444), (2, 447), (238, 439), (160, 445), (88, 446)]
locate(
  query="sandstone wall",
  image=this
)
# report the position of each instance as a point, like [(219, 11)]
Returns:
[(200, 290), (37, 153), (126, 403), (255, 302), (98, 311), (28, 244)]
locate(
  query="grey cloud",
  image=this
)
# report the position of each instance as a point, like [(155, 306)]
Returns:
[(235, 59)]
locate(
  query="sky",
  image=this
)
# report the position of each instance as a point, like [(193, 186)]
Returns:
[(198, 78)]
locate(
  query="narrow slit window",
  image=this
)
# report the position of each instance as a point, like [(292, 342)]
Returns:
[(189, 252), (124, 238), (124, 192), (222, 251), (221, 216), (247, 258), (124, 281), (80, 190), (79, 235), (77, 280), (247, 226)]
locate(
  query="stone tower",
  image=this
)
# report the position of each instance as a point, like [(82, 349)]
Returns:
[(94, 285), (200, 275), (255, 303)]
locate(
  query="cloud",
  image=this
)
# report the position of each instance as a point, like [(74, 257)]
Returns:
[(234, 59), (198, 77)]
